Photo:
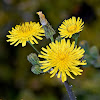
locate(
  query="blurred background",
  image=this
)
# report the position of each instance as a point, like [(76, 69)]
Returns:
[(17, 82)]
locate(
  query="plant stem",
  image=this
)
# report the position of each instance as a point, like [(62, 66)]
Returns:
[(76, 41), (34, 47), (69, 90), (52, 38)]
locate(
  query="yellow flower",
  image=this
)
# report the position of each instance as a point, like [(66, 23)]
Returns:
[(25, 32), (70, 27), (62, 58)]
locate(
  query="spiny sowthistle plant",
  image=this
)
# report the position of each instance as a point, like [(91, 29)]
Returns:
[(61, 57)]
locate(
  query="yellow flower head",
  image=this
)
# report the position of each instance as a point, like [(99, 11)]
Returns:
[(70, 27), (62, 57), (25, 32)]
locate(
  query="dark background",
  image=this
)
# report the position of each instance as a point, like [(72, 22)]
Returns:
[(16, 79)]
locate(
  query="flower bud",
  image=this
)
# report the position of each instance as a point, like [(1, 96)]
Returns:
[(36, 69), (33, 59)]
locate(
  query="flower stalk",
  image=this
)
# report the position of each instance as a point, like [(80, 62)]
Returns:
[(69, 90), (34, 47), (76, 41)]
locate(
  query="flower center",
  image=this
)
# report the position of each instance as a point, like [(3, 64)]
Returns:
[(71, 28), (24, 31), (62, 57)]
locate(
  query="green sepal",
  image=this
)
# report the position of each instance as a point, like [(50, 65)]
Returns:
[(49, 31), (58, 38)]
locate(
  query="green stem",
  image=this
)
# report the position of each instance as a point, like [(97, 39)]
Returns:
[(52, 38), (34, 47), (76, 41)]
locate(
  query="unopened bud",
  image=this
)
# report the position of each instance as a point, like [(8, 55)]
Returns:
[(33, 59), (36, 69)]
